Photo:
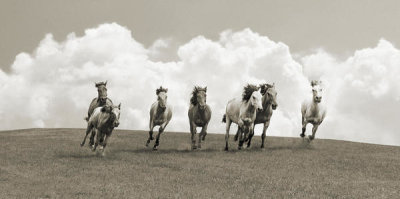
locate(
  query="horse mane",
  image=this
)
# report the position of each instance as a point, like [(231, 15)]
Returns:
[(196, 89), (97, 84), (161, 89), (315, 82), (248, 91), (265, 87)]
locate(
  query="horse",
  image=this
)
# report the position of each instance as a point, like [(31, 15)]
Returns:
[(199, 114), (263, 117), (160, 115), (243, 113), (312, 111), (99, 101), (102, 122)]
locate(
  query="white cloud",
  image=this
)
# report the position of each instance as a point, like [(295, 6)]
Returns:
[(53, 86)]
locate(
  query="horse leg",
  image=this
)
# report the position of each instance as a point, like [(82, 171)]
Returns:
[(303, 129), (193, 131), (91, 140), (97, 139), (200, 135), (204, 132), (228, 126), (105, 144), (88, 129), (241, 138), (236, 135), (314, 130), (250, 137), (150, 134), (263, 135), (160, 130)]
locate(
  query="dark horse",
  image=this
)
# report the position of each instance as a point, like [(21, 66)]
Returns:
[(199, 114), (100, 101)]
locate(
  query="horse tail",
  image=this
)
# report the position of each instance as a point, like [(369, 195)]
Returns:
[(224, 118)]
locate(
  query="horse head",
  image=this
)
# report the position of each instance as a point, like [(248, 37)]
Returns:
[(102, 91), (162, 97), (269, 94), (199, 96), (114, 112), (316, 90), (252, 95)]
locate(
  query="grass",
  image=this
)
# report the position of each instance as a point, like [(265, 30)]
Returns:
[(49, 163)]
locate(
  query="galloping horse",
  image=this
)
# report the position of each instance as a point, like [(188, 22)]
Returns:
[(263, 117), (160, 114), (243, 113), (199, 114), (102, 122), (313, 111), (99, 101)]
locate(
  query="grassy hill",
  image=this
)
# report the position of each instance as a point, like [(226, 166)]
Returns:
[(49, 163)]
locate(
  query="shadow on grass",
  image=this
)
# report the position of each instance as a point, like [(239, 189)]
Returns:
[(163, 151)]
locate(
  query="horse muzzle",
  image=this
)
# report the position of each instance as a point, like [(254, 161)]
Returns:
[(318, 99), (116, 124), (274, 106)]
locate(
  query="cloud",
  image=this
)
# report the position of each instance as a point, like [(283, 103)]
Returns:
[(53, 86)]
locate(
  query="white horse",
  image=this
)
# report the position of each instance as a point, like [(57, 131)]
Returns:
[(243, 112), (160, 115), (313, 111)]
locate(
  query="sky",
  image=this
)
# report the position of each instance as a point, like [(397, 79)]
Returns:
[(52, 52)]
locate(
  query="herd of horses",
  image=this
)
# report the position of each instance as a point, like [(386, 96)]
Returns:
[(254, 107)]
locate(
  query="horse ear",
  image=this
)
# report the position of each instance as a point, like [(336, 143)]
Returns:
[(166, 90), (205, 88), (273, 84), (119, 106), (105, 84)]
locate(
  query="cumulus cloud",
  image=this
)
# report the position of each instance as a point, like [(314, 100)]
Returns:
[(53, 86)]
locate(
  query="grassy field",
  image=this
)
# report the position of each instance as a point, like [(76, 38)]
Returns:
[(49, 163)]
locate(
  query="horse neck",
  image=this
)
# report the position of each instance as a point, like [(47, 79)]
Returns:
[(266, 103), (249, 107)]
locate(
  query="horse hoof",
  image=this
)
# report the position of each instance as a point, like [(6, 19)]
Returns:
[(262, 146), (310, 137), (151, 138), (82, 144), (194, 147), (302, 135), (226, 149), (155, 148)]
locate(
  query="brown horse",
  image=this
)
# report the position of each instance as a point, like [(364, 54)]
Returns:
[(263, 117), (243, 112), (102, 122), (199, 114), (99, 101), (160, 115)]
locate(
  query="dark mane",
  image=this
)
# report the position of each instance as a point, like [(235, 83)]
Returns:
[(97, 84), (248, 91), (196, 89), (265, 87), (161, 89), (315, 82)]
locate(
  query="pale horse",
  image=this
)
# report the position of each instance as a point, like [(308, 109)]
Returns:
[(243, 113), (313, 111), (160, 115)]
